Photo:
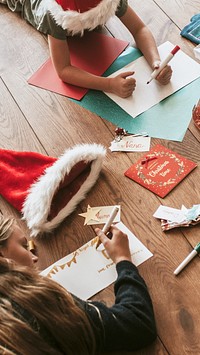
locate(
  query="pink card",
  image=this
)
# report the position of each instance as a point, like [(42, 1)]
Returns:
[(94, 52)]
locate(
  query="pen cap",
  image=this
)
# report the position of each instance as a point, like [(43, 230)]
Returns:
[(197, 248), (175, 50)]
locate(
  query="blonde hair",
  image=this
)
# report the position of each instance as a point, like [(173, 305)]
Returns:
[(6, 228), (39, 316)]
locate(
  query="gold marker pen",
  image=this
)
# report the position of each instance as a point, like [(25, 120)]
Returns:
[(108, 223)]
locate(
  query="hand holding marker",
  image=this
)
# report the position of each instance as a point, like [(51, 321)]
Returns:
[(163, 64), (108, 223)]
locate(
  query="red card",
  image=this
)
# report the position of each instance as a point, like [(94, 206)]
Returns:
[(94, 52), (160, 170)]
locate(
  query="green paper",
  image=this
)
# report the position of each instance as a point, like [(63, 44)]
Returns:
[(169, 119)]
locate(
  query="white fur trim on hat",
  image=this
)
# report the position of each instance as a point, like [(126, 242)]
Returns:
[(37, 204), (75, 22)]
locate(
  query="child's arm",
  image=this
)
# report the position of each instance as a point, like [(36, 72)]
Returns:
[(146, 43), (129, 324), (120, 85)]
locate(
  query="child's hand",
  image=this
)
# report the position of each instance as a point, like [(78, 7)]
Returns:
[(123, 86), (165, 75), (118, 246)]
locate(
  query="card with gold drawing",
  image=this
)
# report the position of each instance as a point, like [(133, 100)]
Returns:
[(87, 271), (160, 170)]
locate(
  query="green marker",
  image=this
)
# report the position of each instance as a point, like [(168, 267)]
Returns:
[(188, 259)]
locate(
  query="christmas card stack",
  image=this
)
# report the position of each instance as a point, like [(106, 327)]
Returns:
[(161, 170)]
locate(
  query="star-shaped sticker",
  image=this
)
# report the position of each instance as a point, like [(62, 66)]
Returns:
[(91, 214)]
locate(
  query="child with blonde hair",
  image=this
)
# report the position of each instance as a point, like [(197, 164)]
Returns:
[(38, 316)]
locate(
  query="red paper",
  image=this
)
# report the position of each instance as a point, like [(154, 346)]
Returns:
[(160, 170), (94, 52)]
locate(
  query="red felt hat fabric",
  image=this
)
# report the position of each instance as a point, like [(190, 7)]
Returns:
[(76, 16), (18, 171), (46, 189), (78, 5)]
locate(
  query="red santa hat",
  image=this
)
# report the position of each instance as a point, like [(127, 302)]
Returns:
[(46, 189), (75, 16)]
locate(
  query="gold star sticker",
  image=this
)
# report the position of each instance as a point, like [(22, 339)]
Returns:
[(91, 214)]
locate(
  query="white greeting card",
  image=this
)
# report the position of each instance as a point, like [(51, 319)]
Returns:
[(87, 271)]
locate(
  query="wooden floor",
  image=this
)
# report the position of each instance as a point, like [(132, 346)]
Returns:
[(32, 119)]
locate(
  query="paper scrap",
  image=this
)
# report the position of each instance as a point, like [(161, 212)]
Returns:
[(174, 218), (169, 213), (193, 212), (131, 143)]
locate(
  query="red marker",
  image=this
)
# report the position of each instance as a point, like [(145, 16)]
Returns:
[(163, 64)]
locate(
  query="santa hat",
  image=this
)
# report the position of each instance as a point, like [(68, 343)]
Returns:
[(77, 16), (46, 189)]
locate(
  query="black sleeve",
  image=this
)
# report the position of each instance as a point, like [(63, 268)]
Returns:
[(129, 324)]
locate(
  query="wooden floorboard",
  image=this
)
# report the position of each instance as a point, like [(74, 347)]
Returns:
[(32, 119), (179, 11)]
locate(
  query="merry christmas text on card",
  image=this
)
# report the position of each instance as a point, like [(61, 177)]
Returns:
[(160, 170)]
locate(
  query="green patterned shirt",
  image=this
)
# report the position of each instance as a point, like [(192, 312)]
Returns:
[(34, 12)]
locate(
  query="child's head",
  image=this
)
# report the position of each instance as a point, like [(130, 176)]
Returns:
[(13, 243), (39, 316)]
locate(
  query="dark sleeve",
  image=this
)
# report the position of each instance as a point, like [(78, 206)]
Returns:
[(129, 324)]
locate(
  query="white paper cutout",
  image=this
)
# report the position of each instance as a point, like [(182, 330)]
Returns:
[(103, 215), (170, 214), (178, 216), (91, 214), (131, 144)]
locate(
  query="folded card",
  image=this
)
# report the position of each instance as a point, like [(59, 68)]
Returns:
[(160, 170)]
